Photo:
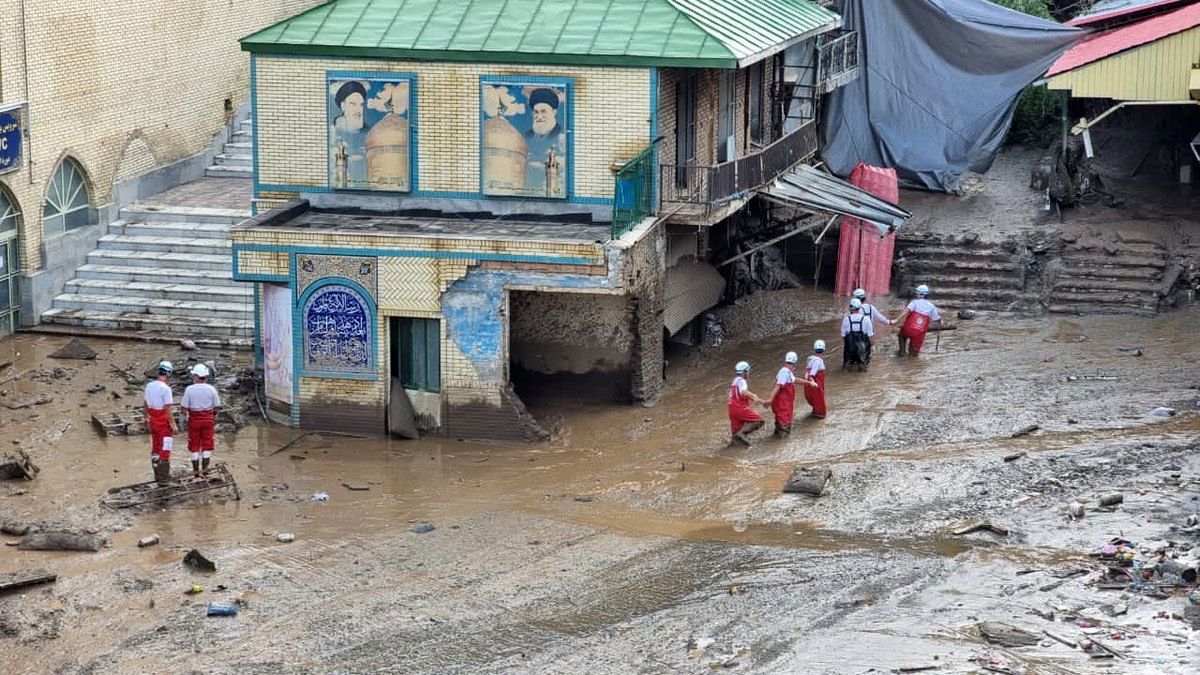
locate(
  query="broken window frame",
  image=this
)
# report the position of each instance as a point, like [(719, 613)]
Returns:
[(419, 352)]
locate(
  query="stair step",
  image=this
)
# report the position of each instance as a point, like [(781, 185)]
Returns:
[(181, 309), (239, 147), (951, 253), (234, 160), (241, 136), (206, 245), (1087, 308), (1110, 272), (156, 275), (182, 214), (965, 280), (1103, 260), (187, 261), (247, 124), (1143, 248), (225, 295), (1071, 282), (170, 229), (155, 323), (222, 171), (1104, 297), (933, 266)]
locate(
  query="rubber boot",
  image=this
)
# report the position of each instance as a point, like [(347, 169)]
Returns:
[(204, 463), (195, 466), (162, 471)]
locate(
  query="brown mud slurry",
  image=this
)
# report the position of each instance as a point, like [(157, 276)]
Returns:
[(636, 530)]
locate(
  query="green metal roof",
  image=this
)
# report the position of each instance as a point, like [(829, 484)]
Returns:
[(695, 33)]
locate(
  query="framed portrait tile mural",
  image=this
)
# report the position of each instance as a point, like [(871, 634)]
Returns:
[(524, 137), (370, 132)]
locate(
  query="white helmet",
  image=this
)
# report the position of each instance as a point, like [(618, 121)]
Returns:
[(742, 367), (791, 357), (200, 370), (922, 290), (165, 368), (860, 294), (855, 303), (819, 346)]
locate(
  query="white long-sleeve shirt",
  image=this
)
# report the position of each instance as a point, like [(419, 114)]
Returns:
[(872, 312)]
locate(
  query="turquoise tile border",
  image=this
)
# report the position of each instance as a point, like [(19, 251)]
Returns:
[(442, 255)]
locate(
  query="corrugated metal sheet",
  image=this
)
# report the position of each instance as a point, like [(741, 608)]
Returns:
[(1112, 10), (812, 189), (1108, 43), (695, 33), (864, 255), (691, 288), (1159, 71)]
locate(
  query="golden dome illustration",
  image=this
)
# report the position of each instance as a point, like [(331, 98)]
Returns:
[(386, 148), (504, 157)]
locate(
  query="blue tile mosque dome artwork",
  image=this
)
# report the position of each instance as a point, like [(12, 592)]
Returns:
[(337, 331)]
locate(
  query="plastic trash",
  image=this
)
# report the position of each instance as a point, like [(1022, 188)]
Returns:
[(148, 541), (222, 609), (286, 537), (320, 496), (1162, 411)]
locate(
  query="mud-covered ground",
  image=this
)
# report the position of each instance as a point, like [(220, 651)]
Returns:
[(638, 541)]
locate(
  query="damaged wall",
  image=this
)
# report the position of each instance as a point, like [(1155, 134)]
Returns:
[(570, 332)]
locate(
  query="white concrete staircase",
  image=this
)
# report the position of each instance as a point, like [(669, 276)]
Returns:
[(236, 159), (164, 272)]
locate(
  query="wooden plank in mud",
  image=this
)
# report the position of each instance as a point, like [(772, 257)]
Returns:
[(25, 578)]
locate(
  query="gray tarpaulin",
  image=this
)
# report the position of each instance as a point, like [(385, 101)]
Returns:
[(938, 83)]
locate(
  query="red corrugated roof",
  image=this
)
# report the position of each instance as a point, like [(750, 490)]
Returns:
[(1129, 9), (1102, 45)]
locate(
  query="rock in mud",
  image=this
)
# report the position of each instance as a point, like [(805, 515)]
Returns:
[(197, 561), (422, 528), (1007, 635), (15, 529), (966, 314), (61, 540), (189, 345), (1025, 431), (75, 349), (808, 481), (1111, 499), (18, 466), (1163, 411)]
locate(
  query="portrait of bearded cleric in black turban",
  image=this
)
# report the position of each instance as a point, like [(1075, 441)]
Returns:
[(525, 140)]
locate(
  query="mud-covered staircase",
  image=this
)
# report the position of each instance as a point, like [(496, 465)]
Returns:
[(1129, 277), (963, 272)]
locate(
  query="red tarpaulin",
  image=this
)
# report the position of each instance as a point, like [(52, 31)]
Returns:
[(865, 257)]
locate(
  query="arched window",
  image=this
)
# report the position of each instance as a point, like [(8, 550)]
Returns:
[(68, 204), (10, 215), (10, 299)]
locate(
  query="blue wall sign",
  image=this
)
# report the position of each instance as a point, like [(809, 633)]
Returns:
[(11, 137), (337, 331)]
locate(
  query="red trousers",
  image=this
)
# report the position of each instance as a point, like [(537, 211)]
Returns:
[(914, 330), (815, 396), (784, 405), (161, 438), (201, 431)]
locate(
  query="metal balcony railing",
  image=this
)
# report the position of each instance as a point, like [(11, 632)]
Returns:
[(633, 192), (837, 61), (712, 186)]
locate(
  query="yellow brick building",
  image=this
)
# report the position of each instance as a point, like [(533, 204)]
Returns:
[(466, 197), (124, 92)]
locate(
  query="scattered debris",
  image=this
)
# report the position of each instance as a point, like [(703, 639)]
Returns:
[(15, 529), (222, 609), (1131, 351), (422, 528), (18, 466), (1025, 431), (966, 314), (584, 498), (285, 537), (197, 561), (75, 349), (1006, 635), (217, 477), (194, 590), (1111, 499), (356, 487), (148, 541), (26, 578), (982, 525), (61, 540), (1163, 411), (189, 345), (1076, 510), (1091, 378), (96, 389), (1015, 456), (320, 497), (808, 480), (40, 400)]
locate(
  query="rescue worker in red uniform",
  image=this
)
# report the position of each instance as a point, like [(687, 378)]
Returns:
[(201, 403), (915, 320), (160, 422), (743, 420), (814, 380), (783, 397)]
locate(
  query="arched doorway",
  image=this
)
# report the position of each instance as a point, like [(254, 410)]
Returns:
[(68, 204), (10, 298)]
